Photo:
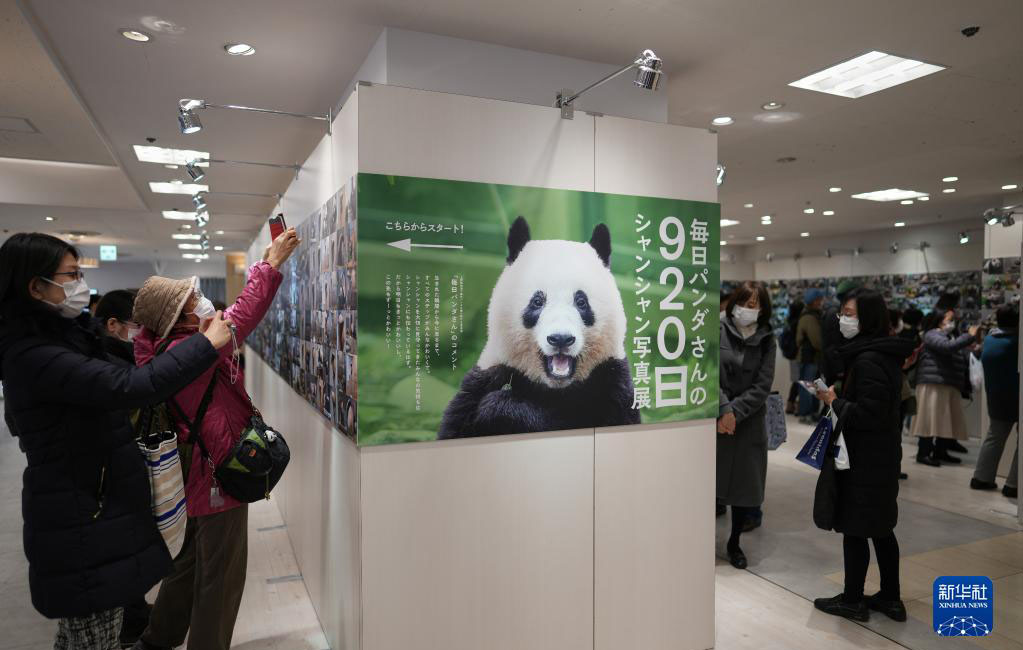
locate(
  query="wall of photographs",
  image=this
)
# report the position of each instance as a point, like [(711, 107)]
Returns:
[(309, 335), (900, 292), (1001, 285)]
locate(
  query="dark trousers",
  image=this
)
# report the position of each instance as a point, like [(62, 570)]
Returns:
[(808, 404), (203, 592), (857, 558)]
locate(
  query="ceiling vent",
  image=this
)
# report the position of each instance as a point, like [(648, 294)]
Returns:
[(17, 125)]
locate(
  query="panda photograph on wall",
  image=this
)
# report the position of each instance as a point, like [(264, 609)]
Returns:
[(554, 358)]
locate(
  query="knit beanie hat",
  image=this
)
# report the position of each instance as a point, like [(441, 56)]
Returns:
[(159, 303), (812, 294), (846, 286)]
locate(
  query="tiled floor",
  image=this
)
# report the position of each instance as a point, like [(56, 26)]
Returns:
[(944, 528)]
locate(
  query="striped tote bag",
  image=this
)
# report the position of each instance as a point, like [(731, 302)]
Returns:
[(160, 452)]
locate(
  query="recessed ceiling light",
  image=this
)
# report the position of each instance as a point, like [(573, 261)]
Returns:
[(195, 256), (218, 248), (923, 198), (866, 74), (723, 120), (828, 213), (725, 223), (180, 235), (808, 211), (190, 247), (136, 35), (834, 189), (907, 202), (772, 106), (239, 49), (893, 194), (219, 232), (724, 243), (747, 205), (49, 218), (177, 188), (777, 117), (1009, 187), (186, 226), (804, 234), (900, 224), (178, 215), (169, 157), (761, 238), (948, 190), (950, 179)]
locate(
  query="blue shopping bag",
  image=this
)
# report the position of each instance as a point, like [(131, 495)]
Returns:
[(816, 448)]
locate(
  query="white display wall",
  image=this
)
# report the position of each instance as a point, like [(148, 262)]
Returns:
[(561, 540)]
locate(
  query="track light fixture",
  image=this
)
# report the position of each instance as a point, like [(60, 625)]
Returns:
[(721, 175), (964, 237), (770, 257), (199, 200), (827, 253), (1004, 215), (894, 248), (195, 172), (648, 76), (202, 219), (189, 121), (857, 251)]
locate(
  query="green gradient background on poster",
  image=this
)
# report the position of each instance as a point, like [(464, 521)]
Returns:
[(386, 387)]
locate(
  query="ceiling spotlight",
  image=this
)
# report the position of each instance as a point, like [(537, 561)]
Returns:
[(723, 120), (948, 190), (857, 251), (900, 224), (188, 121), (239, 49), (907, 202), (808, 211), (804, 234), (827, 253), (828, 213), (202, 219), (964, 238), (200, 201), (648, 76), (834, 189), (770, 257), (49, 218), (136, 35), (195, 172), (772, 106), (1008, 221), (950, 179), (720, 175), (992, 217), (894, 248)]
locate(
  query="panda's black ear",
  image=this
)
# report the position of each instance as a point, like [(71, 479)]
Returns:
[(601, 242), (518, 237)]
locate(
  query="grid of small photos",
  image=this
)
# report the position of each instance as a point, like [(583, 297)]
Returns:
[(1001, 285), (309, 335), (900, 292)]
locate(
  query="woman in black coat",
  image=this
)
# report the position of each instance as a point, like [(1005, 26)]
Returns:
[(89, 534), (868, 414)]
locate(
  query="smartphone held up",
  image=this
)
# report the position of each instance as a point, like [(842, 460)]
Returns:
[(277, 226)]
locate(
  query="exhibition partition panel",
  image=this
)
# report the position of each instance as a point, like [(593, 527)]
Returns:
[(559, 539)]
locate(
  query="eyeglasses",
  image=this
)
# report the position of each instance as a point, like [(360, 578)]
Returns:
[(77, 275)]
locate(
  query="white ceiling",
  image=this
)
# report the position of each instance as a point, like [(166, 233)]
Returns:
[(722, 57)]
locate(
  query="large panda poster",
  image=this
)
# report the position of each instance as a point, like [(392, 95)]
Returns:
[(494, 309)]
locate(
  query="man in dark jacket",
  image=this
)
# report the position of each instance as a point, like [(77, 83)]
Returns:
[(1001, 383), (810, 343)]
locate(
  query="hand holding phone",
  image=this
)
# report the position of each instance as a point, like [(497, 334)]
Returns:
[(277, 226)]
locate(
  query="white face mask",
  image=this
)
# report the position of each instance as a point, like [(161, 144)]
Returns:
[(76, 298), (949, 326), (744, 316), (131, 333), (849, 326), (205, 309)]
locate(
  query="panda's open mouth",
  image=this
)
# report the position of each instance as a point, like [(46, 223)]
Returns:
[(559, 366)]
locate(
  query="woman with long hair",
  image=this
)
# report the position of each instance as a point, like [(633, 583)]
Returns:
[(90, 537), (868, 412)]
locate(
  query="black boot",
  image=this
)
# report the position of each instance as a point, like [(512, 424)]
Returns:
[(925, 452), (838, 606), (893, 609), (736, 557), (941, 446), (957, 447)]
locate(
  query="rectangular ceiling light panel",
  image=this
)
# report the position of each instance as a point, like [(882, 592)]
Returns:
[(866, 74), (166, 156), (893, 194), (178, 188), (178, 215), (725, 223)]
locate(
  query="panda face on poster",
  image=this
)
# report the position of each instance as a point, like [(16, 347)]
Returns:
[(555, 352), (555, 312)]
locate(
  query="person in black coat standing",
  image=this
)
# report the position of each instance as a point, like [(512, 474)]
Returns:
[(89, 534), (868, 412)]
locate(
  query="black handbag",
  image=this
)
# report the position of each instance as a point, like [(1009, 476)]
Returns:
[(255, 463), (825, 496)]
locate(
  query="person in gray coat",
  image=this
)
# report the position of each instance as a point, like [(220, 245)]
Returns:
[(747, 360)]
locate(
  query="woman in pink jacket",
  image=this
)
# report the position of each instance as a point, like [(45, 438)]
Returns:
[(205, 588)]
